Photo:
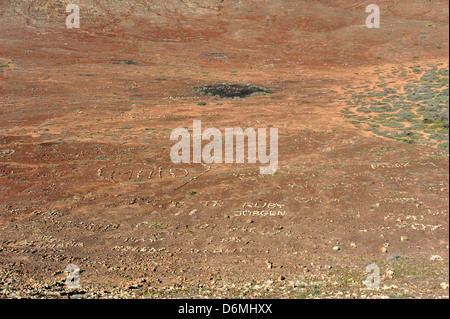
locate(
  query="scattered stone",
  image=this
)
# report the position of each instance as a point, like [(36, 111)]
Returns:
[(336, 248), (77, 296), (193, 212), (389, 273), (436, 258)]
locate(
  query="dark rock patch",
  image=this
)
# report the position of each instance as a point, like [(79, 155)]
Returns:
[(232, 90)]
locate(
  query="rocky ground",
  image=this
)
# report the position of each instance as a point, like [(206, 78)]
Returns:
[(85, 170)]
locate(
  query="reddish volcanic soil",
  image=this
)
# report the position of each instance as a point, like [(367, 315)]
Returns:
[(86, 176)]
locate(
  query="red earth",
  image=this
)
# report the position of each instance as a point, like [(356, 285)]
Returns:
[(86, 176)]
